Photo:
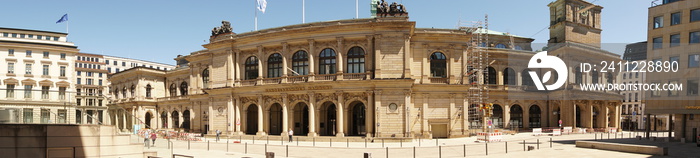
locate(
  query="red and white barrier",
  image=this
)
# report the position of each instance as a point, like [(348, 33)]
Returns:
[(489, 136)]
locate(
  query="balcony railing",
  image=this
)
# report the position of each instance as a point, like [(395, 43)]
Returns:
[(326, 77), (298, 79), (252, 82), (277, 80), (439, 80), (355, 76)]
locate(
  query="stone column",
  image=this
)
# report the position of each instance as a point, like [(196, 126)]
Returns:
[(377, 56), (465, 113), (339, 58), (212, 115), (606, 114), (260, 116), (407, 111), (237, 68), (506, 115), (285, 114), (424, 122), (124, 122), (369, 114), (260, 66), (407, 56), (312, 64), (229, 69), (377, 111), (237, 115), (312, 114), (339, 115), (285, 67), (526, 116), (230, 115), (425, 74), (452, 115)]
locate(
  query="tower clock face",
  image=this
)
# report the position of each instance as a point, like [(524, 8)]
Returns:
[(584, 14)]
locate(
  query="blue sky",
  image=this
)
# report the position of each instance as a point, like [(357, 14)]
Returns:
[(159, 30)]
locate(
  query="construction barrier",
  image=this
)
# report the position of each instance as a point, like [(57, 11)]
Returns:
[(536, 131), (489, 137)]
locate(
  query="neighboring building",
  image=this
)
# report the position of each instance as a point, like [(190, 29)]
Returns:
[(674, 35), (115, 64), (91, 85), (37, 75), (379, 77), (635, 51)]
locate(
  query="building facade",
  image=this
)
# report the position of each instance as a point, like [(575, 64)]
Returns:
[(379, 77), (91, 85), (673, 34), (37, 77)]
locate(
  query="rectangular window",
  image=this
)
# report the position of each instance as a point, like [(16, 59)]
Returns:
[(123, 63), (694, 37), (692, 87), (116, 71), (89, 74), (99, 74), (658, 42), (10, 68), (10, 91), (114, 62), (99, 102), (675, 40), (55, 38), (5, 34), (77, 91), (109, 70), (28, 69), (63, 55), (39, 36), (673, 93), (695, 15), (658, 22), (77, 101), (44, 92), (45, 70), (29, 53), (78, 73), (78, 117), (107, 62), (31, 36), (62, 115), (63, 71), (27, 91), (100, 82), (61, 93), (78, 81), (89, 81), (675, 18), (47, 38), (21, 35), (46, 54), (14, 35), (693, 60), (28, 115), (11, 52)]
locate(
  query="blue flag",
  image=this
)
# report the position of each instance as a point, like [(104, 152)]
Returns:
[(63, 18)]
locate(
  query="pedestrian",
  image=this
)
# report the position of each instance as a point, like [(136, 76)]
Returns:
[(291, 133), (146, 135), (153, 138), (218, 134)]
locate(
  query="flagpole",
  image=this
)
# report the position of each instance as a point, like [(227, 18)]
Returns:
[(357, 10), (303, 11), (256, 15)]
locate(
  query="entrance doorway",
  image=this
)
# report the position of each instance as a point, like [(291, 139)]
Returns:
[(301, 119), (357, 126), (328, 119), (252, 119), (275, 119)]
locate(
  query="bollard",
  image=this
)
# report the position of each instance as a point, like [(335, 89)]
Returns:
[(464, 149), (188, 144), (240, 138), (440, 151), (268, 140), (347, 142), (297, 141), (387, 152), (226, 145), (608, 135), (330, 140), (286, 151), (282, 140), (207, 145), (401, 142), (524, 145), (538, 143), (506, 147), (595, 136), (365, 142), (246, 147), (414, 152), (265, 148), (382, 143), (314, 141), (550, 142), (487, 148)]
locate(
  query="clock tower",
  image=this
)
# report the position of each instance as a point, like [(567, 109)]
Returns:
[(574, 21)]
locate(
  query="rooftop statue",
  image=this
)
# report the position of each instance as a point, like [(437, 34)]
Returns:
[(224, 28)]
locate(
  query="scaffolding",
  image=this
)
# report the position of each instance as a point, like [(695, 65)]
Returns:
[(476, 72)]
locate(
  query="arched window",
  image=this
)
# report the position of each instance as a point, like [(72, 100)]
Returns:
[(527, 80), (356, 60), (116, 93), (124, 92), (594, 76), (509, 75), (326, 61), (490, 76), (300, 63), (251, 68), (148, 91), (183, 88), (205, 78), (502, 46), (578, 76), (535, 116), (438, 65), (173, 90), (132, 91), (274, 66)]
